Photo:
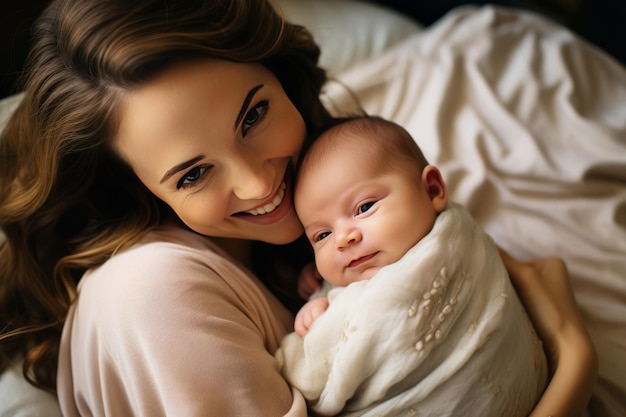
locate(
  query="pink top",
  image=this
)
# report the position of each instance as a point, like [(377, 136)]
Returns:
[(173, 327)]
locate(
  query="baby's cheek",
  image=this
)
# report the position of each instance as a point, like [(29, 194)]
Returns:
[(327, 266)]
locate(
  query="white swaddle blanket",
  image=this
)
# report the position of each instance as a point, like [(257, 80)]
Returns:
[(439, 333)]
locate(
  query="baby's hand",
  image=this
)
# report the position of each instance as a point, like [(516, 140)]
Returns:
[(309, 281), (308, 313)]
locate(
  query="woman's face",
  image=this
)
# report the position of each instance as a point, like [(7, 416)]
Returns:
[(216, 141)]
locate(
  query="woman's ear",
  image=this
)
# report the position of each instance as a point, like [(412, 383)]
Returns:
[(435, 187)]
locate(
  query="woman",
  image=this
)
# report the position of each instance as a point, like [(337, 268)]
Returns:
[(146, 127)]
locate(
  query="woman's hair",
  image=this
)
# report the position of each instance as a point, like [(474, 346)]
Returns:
[(67, 202)]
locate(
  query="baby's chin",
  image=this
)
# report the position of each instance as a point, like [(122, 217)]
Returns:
[(367, 274)]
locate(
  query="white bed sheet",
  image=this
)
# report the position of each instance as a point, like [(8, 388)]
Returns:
[(528, 125)]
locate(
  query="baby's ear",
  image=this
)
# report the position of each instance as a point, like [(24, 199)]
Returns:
[(435, 187)]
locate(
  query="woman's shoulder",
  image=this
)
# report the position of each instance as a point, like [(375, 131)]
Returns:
[(173, 276), (161, 253), (150, 275), (172, 239), (166, 261)]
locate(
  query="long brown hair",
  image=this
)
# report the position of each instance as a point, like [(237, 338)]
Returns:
[(67, 203)]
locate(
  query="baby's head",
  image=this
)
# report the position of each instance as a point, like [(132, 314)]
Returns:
[(365, 194)]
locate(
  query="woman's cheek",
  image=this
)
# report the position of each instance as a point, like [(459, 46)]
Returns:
[(200, 212)]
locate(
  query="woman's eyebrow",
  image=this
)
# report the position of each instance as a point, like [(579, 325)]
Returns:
[(246, 103), (242, 111), (180, 167)]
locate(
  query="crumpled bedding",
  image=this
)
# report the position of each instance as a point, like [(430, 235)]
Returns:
[(439, 333), (527, 123)]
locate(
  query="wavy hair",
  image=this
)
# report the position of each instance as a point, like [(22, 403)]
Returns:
[(67, 202)]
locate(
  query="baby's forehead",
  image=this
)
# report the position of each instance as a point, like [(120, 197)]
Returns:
[(333, 153), (339, 149), (376, 145), (349, 141)]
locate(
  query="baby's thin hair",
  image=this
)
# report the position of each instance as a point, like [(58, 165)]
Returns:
[(372, 135)]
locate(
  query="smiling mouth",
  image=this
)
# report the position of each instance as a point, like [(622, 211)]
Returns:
[(270, 207), (361, 260)]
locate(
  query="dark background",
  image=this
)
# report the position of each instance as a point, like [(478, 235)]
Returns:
[(602, 22)]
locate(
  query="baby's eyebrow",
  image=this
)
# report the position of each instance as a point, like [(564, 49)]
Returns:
[(246, 103), (315, 228)]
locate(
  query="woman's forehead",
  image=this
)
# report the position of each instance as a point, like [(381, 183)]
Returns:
[(184, 90), (173, 111), (205, 74)]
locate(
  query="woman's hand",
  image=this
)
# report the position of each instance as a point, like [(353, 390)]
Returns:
[(544, 288)]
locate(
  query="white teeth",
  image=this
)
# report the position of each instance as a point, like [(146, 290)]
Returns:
[(270, 207)]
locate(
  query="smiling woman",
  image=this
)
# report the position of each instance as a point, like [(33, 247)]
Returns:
[(134, 137), (221, 138)]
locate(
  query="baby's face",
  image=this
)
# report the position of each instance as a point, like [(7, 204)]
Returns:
[(360, 215)]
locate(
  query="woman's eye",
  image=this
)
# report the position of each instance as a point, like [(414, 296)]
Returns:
[(365, 207), (192, 177), (253, 116), (322, 236)]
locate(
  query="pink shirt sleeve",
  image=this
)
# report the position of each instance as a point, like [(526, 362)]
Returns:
[(170, 327)]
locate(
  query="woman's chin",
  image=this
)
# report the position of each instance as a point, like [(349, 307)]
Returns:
[(288, 233)]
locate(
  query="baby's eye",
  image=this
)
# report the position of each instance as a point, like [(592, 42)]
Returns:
[(254, 116), (365, 207), (322, 236), (192, 177)]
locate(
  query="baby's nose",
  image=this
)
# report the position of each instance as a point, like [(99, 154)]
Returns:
[(349, 237)]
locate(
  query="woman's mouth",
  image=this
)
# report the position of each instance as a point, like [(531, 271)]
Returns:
[(271, 206)]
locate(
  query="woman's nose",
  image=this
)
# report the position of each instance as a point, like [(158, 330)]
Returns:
[(252, 181), (348, 237)]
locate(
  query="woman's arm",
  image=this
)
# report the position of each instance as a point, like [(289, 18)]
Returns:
[(544, 288)]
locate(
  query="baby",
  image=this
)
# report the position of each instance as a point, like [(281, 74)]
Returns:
[(422, 319)]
